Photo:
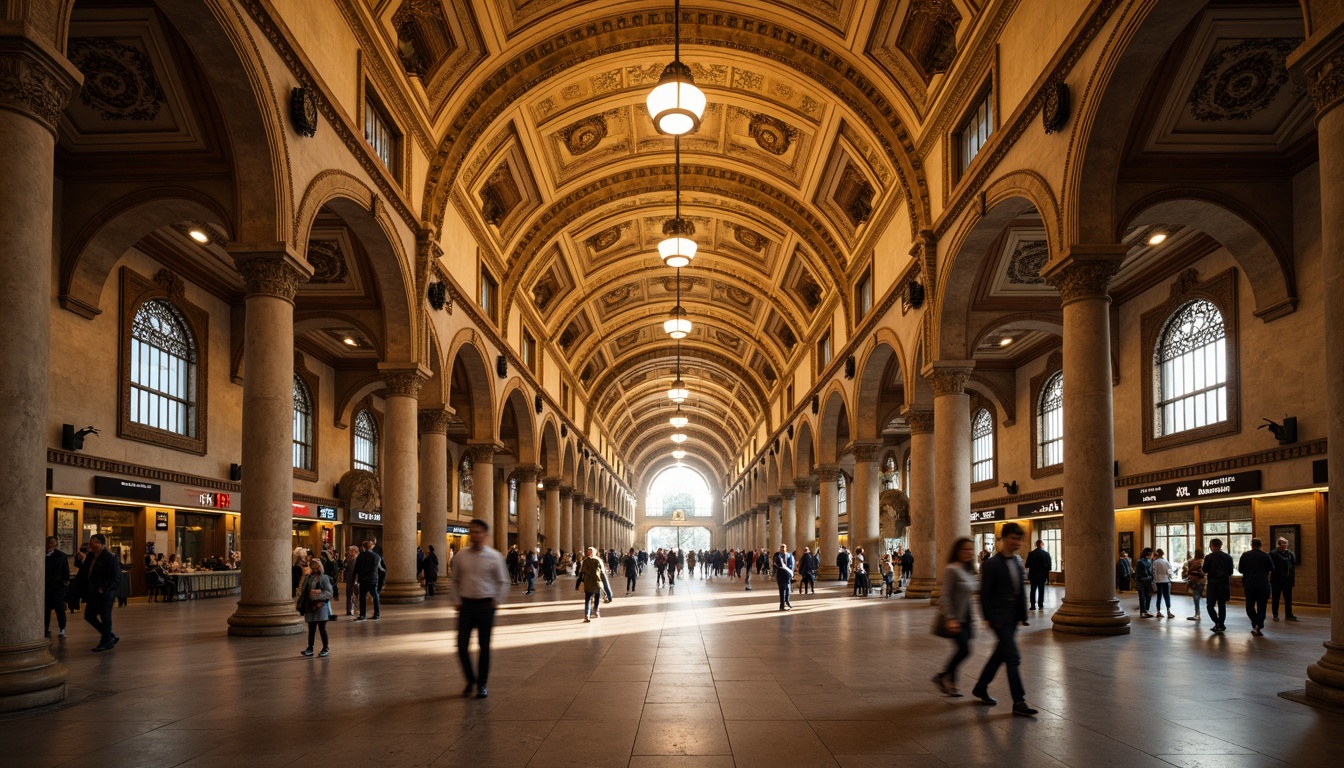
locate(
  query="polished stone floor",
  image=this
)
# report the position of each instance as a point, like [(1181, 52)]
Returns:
[(708, 676)]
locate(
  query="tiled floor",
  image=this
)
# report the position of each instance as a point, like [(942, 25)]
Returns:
[(710, 676)]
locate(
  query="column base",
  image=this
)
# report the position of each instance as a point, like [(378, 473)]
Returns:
[(828, 573), (265, 620), (30, 676), (1325, 683), (1091, 617), (920, 588), (936, 594), (402, 592)]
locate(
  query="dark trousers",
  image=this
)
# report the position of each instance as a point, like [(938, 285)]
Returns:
[(1257, 602), (1037, 593), (785, 587), (1005, 653), (350, 596), (1215, 600), (1276, 591), (963, 641), (364, 591), (98, 612), (56, 602), (844, 573), (630, 583), (809, 583), (480, 616), (315, 627), (429, 586)]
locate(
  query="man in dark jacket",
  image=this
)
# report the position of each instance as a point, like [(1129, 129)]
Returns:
[(367, 568), (1285, 573), (907, 567), (1004, 605), (1256, 567), (784, 564), (430, 567), (1039, 564), (58, 581), (1218, 578), (104, 574), (842, 562)]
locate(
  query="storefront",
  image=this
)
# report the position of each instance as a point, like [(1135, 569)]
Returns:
[(365, 526), (1044, 521), (314, 525), (985, 529)]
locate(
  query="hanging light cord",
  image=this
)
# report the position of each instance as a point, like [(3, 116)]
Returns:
[(676, 30), (676, 141)]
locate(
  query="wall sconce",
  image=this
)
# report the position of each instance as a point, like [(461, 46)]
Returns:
[(1011, 488), (1285, 433)]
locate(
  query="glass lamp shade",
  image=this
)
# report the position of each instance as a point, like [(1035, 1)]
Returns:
[(676, 104), (678, 393), (678, 438), (677, 325), (677, 248), (678, 454), (678, 421)]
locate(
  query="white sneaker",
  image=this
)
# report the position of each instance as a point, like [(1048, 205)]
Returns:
[(62, 634)]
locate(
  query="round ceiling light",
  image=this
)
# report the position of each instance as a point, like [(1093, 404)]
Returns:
[(678, 393), (1158, 238), (676, 104), (678, 420), (1005, 341), (678, 438), (199, 235), (678, 454), (677, 248), (677, 325)]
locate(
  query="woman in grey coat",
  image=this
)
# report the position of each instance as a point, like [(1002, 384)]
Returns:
[(316, 608), (959, 587)]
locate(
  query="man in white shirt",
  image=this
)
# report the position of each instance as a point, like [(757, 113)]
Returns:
[(477, 585)]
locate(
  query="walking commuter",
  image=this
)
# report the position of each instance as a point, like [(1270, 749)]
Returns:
[(660, 565), (842, 562), (1285, 574), (592, 577), (784, 564), (750, 562), (673, 564), (1218, 578), (1039, 565), (1162, 569), (809, 568), (548, 566), (530, 564), (1004, 605), (959, 586), (907, 568), (351, 556), (57, 582), (477, 586), (101, 582), (1193, 571), (1256, 568), (368, 567), (1143, 576), (315, 595), (630, 564), (888, 577), (431, 569), (861, 580)]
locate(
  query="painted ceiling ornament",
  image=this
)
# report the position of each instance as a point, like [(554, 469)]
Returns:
[(750, 238), (328, 262), (584, 135), (1024, 268), (604, 239), (119, 81), (1241, 80), (771, 134)]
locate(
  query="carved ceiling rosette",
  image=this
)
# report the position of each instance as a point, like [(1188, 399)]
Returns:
[(1238, 82), (119, 80), (328, 262), (771, 134)]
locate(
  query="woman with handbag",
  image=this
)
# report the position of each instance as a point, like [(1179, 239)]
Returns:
[(315, 595), (954, 610)]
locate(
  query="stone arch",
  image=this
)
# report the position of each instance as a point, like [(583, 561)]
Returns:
[(549, 455), (515, 411), (804, 457), (1248, 236), (470, 388), (434, 393), (376, 230), (883, 350), (568, 465), (833, 425)]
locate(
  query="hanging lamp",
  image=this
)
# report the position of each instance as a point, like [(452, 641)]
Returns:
[(678, 454), (677, 325), (676, 104), (678, 438), (678, 420), (677, 248), (678, 391)]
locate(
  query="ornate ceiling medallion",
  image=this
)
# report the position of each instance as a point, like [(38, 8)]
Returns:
[(771, 134), (584, 135), (1240, 81), (119, 81), (1055, 111)]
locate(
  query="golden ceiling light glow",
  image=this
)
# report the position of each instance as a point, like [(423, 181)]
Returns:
[(199, 235), (678, 454), (678, 420), (676, 104), (350, 341), (1157, 238), (677, 325), (1005, 341), (678, 392), (677, 248), (678, 437)]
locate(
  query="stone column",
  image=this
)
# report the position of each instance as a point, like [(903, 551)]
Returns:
[(788, 519), (401, 490), (863, 498), (527, 507), (483, 488), (805, 513), (1090, 606), (566, 519), (952, 457), (272, 278), (590, 524), (434, 483), (551, 517), (828, 506), (1319, 65), (920, 536), (579, 536), (501, 485), (775, 516), (35, 84)]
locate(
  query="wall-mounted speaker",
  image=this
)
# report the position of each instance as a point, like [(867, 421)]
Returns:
[(438, 294), (236, 473), (914, 294), (538, 402)]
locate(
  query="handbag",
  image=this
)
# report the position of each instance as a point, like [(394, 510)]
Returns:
[(940, 626)]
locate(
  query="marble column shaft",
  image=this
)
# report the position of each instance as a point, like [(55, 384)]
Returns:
[(500, 480), (527, 507), (1089, 606), (952, 457), (579, 539), (483, 490), (776, 522), (590, 524), (923, 475), (788, 518), (864, 493), (401, 481), (39, 85), (828, 506), (805, 513), (551, 518), (566, 543), (434, 484)]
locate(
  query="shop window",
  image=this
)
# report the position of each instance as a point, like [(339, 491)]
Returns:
[(1231, 524), (381, 134), (195, 538), (118, 525), (841, 495), (983, 536), (1191, 361), (163, 369), (366, 441), (974, 131), (982, 446), (1174, 534), (1050, 423), (303, 426), (1052, 534)]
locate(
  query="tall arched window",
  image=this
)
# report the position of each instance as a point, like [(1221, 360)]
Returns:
[(1050, 423), (841, 494), (466, 484), (366, 441), (982, 446), (303, 426), (163, 369), (1191, 364)]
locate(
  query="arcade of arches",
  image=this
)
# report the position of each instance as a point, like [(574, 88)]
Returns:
[(367, 269)]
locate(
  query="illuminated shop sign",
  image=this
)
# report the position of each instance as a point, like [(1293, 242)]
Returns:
[(117, 488), (988, 515), (367, 517), (459, 530), (326, 513), (1230, 484), (299, 509), (211, 499), (1052, 507)]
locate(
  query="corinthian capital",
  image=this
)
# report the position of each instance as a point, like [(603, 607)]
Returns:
[(867, 451), (404, 382), (1085, 272), (433, 422), (34, 81), (1320, 69), (949, 378), (269, 275), (921, 422)]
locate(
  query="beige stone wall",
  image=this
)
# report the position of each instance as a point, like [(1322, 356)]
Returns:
[(1297, 509)]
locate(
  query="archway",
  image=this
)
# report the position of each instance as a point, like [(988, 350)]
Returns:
[(683, 537)]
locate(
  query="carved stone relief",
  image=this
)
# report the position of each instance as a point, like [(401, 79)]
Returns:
[(119, 80), (1024, 266), (1238, 82), (328, 262)]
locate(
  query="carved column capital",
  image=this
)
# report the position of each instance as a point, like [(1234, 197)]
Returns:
[(433, 421), (269, 275), (949, 378), (590, 506), (1085, 272), (787, 494), (774, 499), (566, 492), (527, 474), (34, 81), (551, 483), (1320, 70), (804, 485), (404, 382), (921, 422), (482, 452), (867, 451), (827, 474)]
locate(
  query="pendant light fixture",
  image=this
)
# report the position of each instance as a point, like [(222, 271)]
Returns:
[(678, 454), (678, 438), (676, 104), (677, 325), (678, 420), (677, 248), (678, 392)]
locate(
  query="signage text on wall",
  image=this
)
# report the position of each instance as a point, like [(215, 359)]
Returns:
[(1229, 484), (988, 515), (367, 517), (326, 513), (117, 488), (1051, 507)]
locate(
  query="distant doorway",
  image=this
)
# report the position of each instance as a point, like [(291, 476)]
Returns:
[(683, 537)]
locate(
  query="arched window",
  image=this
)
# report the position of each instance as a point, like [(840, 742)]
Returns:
[(366, 441), (513, 497), (466, 484), (163, 369), (982, 446), (303, 426), (841, 494), (1050, 423), (1191, 364)]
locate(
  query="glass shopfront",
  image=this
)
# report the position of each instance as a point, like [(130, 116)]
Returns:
[(117, 524), (195, 537)]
